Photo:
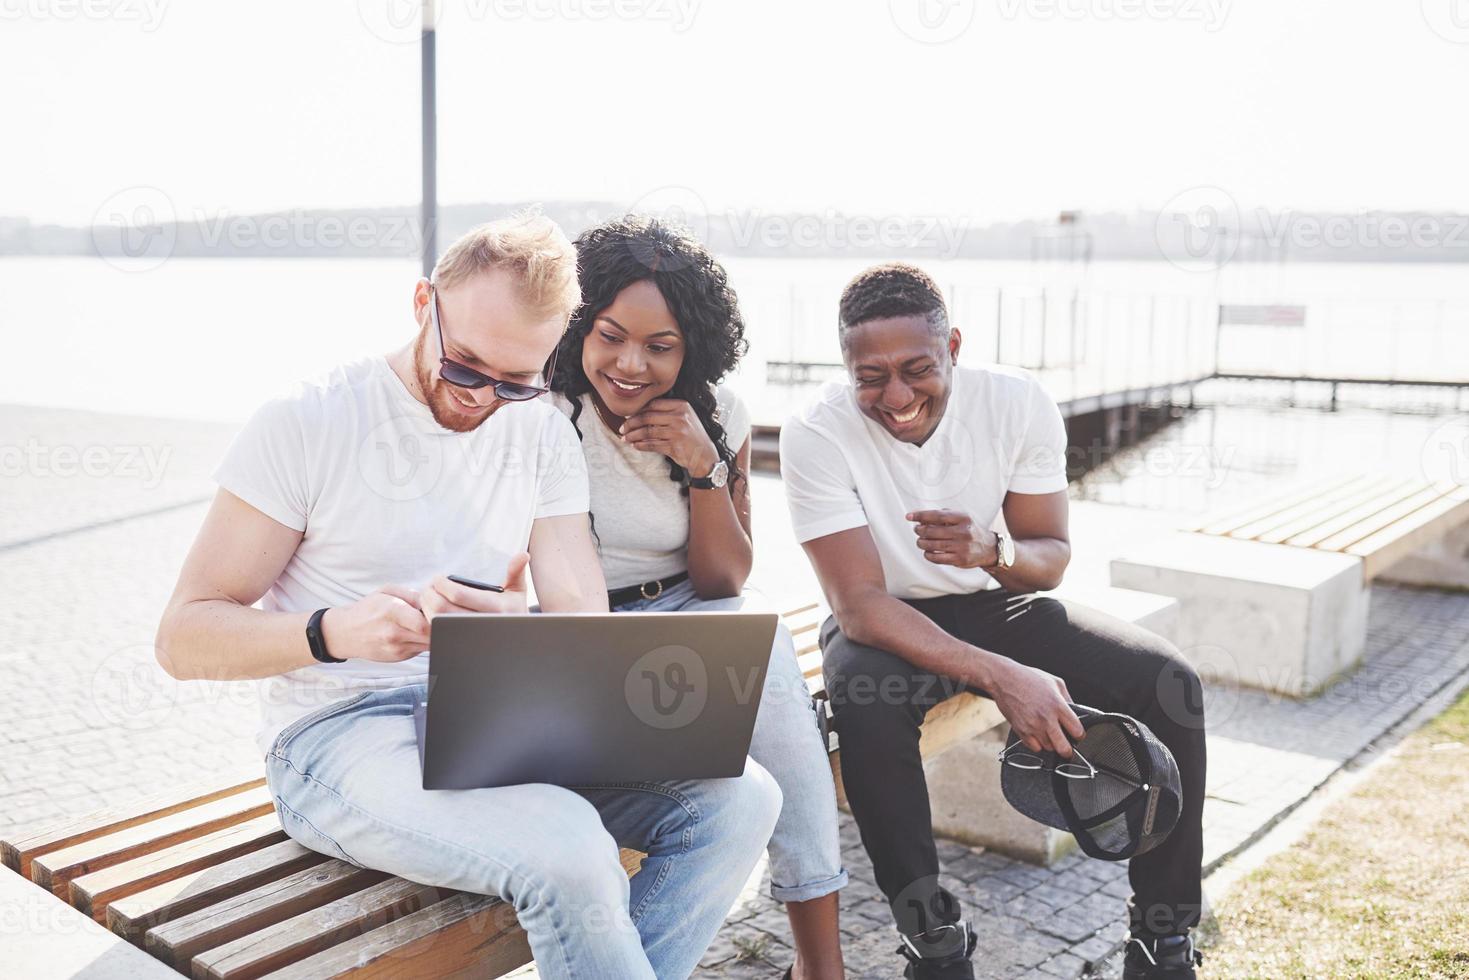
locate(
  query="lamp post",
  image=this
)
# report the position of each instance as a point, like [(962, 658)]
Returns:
[(428, 217)]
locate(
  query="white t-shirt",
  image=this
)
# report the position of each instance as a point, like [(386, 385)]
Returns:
[(640, 517), (385, 495), (1000, 433)]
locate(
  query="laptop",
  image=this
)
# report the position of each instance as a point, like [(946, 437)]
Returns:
[(579, 698)]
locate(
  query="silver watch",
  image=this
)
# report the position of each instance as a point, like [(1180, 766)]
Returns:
[(717, 477)]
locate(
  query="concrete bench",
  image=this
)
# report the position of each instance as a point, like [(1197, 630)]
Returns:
[(1273, 594)]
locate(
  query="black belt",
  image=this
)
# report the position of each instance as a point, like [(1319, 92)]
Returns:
[(648, 590)]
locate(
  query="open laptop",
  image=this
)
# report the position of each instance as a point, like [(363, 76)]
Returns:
[(580, 698)]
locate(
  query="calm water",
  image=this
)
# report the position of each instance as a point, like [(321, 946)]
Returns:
[(210, 338)]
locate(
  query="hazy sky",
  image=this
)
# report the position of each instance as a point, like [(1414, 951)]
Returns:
[(998, 109)]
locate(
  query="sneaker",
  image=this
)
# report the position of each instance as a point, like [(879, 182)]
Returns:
[(1165, 958), (940, 954)]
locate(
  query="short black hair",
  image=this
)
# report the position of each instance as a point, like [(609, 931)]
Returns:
[(889, 290)]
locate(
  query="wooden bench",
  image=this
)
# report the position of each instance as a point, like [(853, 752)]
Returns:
[(1378, 518), (205, 880), (1273, 593)]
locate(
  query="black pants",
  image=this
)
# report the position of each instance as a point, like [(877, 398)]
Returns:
[(879, 701)]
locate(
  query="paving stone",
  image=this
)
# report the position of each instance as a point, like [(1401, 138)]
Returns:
[(1067, 965)]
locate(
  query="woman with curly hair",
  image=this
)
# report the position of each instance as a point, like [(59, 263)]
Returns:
[(668, 453)]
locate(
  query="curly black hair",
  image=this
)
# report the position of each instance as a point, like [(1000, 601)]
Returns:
[(618, 253), (889, 290)]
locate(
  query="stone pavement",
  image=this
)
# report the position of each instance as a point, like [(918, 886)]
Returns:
[(88, 557)]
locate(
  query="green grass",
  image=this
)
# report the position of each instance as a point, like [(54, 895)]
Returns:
[(1378, 888)]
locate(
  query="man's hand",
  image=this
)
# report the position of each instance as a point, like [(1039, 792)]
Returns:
[(385, 626), (443, 596), (670, 426), (1036, 704), (949, 537)]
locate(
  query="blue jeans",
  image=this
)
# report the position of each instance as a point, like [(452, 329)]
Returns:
[(347, 782), (805, 850)]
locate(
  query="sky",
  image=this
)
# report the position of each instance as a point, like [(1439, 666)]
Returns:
[(996, 109)]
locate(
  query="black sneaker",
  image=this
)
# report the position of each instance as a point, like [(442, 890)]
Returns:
[(1166, 958), (940, 954)]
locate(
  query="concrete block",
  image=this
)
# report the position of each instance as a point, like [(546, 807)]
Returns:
[(1153, 612), (1266, 616), (1441, 564), (46, 938)]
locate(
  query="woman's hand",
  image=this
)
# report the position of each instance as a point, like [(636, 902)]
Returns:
[(670, 426)]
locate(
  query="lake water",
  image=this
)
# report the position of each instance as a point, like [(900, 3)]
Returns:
[(211, 338)]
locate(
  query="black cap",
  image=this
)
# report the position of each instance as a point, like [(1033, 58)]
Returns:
[(1119, 794)]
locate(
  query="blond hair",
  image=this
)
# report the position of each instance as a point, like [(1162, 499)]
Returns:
[(527, 244)]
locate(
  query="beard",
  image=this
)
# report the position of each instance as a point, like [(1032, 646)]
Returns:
[(440, 401)]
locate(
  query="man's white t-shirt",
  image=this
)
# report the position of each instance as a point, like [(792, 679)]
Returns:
[(386, 496), (640, 516), (1000, 433)]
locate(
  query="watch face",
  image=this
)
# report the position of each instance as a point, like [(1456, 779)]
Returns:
[(1007, 551), (720, 474)]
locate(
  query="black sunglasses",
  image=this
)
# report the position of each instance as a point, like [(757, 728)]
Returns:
[(464, 376)]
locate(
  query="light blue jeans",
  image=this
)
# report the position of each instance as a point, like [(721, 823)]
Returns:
[(347, 782), (805, 850)]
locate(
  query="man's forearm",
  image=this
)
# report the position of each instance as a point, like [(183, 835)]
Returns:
[(1039, 565), (888, 623), (219, 639)]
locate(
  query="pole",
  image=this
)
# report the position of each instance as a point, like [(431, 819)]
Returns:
[(428, 218)]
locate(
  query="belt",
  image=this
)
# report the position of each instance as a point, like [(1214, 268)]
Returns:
[(648, 590)]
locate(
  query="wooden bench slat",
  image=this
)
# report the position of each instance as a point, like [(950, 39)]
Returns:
[(1378, 520), (1281, 526), (314, 930), (461, 937), (55, 869), (1257, 510), (91, 893), (1361, 511), (18, 851), (1385, 548), (957, 720), (134, 915), (179, 940), (464, 935), (799, 610)]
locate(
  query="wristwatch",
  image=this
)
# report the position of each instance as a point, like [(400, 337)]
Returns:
[(1004, 550), (317, 640), (717, 477)]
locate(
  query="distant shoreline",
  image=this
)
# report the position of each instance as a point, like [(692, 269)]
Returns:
[(146, 226)]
